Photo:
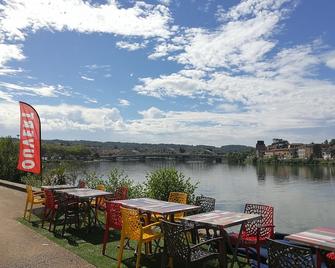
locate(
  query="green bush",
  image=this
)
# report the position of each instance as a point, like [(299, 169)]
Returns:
[(60, 174), (9, 151), (116, 179), (161, 182)]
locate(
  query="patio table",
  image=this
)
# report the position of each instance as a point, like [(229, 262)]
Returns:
[(221, 220), (85, 195), (318, 238), (58, 187), (155, 206)]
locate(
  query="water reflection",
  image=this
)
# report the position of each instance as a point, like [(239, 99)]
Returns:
[(282, 173)]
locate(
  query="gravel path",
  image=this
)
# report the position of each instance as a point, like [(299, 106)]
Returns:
[(22, 247)]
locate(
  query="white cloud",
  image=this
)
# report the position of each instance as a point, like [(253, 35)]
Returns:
[(66, 117), (20, 16), (5, 96), (130, 46), (41, 89), (86, 78), (165, 2), (124, 102), (329, 59), (152, 113), (9, 52)]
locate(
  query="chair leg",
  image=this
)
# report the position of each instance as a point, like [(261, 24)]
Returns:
[(30, 210), (258, 257), (119, 259), (170, 262), (64, 224), (139, 250), (52, 219), (46, 214), (105, 239), (25, 210)]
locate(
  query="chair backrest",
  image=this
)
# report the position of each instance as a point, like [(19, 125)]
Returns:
[(206, 204), (101, 199), (82, 184), (121, 193), (101, 187), (178, 197), (50, 201), (282, 255), (131, 223), (175, 240), (267, 219), (114, 218), (30, 195)]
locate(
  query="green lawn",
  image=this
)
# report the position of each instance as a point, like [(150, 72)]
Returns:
[(88, 245)]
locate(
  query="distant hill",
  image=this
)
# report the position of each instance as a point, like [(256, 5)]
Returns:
[(140, 148)]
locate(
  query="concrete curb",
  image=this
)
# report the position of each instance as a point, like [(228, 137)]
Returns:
[(16, 186)]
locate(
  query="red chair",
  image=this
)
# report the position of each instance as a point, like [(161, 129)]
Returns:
[(82, 184), (50, 208), (330, 259), (113, 220), (256, 233), (121, 193)]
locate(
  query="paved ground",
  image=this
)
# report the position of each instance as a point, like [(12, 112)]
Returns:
[(22, 247)]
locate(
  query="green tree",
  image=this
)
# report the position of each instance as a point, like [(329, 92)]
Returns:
[(161, 182), (9, 150)]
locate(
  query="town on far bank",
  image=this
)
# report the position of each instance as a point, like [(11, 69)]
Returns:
[(281, 149)]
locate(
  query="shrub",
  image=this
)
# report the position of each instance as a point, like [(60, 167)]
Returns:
[(61, 174), (117, 178), (161, 182), (92, 180), (9, 150)]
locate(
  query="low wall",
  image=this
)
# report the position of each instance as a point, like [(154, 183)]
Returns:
[(16, 186)]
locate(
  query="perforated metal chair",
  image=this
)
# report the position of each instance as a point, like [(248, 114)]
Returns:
[(285, 255), (121, 193), (178, 197), (50, 208), (255, 233), (33, 198), (113, 220), (133, 229), (206, 204), (330, 259), (177, 246)]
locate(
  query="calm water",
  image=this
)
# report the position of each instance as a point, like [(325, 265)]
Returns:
[(303, 196)]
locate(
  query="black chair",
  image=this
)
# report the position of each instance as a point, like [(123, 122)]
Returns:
[(206, 204), (287, 255), (177, 246), (72, 211)]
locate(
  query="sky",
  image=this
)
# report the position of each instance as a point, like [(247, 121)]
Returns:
[(170, 71)]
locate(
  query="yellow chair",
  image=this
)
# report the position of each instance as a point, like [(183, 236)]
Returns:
[(99, 202), (33, 198), (180, 198), (133, 229)]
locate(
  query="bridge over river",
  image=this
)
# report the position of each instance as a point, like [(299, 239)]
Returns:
[(161, 156)]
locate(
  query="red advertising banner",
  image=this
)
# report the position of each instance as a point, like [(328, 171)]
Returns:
[(30, 140)]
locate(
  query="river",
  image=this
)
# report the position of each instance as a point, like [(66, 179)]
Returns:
[(303, 196)]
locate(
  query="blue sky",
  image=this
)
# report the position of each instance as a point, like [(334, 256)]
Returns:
[(170, 71)]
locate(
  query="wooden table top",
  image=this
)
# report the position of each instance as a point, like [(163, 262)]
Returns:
[(156, 206), (320, 237), (223, 219), (84, 192), (58, 187)]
